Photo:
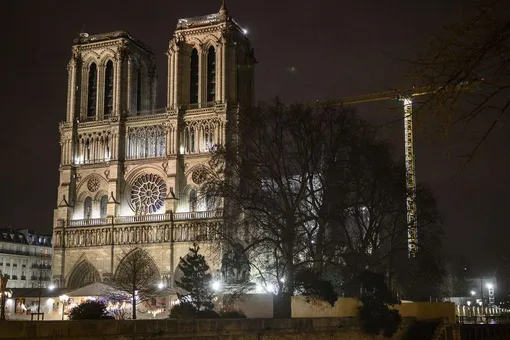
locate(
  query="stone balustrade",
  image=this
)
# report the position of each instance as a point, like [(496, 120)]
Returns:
[(125, 233), (105, 221)]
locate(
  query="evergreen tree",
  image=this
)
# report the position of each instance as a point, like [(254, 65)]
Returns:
[(196, 280)]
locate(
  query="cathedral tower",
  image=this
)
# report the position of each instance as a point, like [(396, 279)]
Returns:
[(210, 78), (128, 172)]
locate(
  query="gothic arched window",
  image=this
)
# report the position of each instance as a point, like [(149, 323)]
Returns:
[(87, 208), (192, 139), (193, 200), (91, 103), (193, 89), (211, 74), (102, 206), (108, 88), (210, 201), (139, 91)]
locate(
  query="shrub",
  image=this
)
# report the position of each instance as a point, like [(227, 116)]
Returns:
[(233, 314), (89, 310), (375, 314), (183, 311), (208, 314)]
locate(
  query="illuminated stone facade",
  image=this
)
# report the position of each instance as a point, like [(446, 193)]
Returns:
[(128, 172)]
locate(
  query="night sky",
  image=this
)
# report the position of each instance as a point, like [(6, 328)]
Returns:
[(307, 50)]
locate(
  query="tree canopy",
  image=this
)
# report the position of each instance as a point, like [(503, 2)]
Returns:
[(312, 189)]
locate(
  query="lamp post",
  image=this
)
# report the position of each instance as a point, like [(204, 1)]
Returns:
[(490, 286), (63, 298)]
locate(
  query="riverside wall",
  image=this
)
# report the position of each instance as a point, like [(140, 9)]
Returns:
[(223, 329)]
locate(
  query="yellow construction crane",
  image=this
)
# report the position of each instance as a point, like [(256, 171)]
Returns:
[(406, 97)]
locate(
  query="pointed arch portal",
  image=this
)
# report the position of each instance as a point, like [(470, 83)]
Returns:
[(83, 274), (138, 267)]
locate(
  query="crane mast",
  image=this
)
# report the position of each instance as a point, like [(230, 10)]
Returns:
[(406, 97)]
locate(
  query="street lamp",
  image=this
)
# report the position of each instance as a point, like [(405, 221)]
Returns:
[(63, 298), (490, 286), (473, 293)]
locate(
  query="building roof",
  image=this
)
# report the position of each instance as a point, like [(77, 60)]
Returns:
[(34, 292), (24, 236), (94, 289)]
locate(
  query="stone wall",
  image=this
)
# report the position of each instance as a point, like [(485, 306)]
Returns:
[(246, 329), (348, 307)]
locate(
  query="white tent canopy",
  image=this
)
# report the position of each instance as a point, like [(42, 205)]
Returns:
[(96, 289)]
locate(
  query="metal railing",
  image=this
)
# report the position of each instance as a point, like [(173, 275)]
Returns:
[(182, 216), (41, 266), (17, 252), (198, 21)]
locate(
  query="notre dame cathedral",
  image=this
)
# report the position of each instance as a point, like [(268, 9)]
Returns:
[(130, 173)]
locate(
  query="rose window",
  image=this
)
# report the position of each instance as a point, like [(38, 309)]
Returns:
[(148, 194), (199, 176), (93, 184)]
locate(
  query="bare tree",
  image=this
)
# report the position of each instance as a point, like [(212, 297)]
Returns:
[(137, 275), (474, 55), (308, 188), (4, 278)]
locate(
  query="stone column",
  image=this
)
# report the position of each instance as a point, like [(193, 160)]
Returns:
[(129, 93), (100, 91), (170, 89), (176, 75), (117, 86), (71, 89), (220, 72), (202, 77)]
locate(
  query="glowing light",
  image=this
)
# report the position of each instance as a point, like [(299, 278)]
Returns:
[(473, 293), (270, 288), (282, 280), (63, 298), (490, 285), (51, 287), (468, 303), (216, 285), (181, 150), (50, 302), (245, 31), (161, 285)]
